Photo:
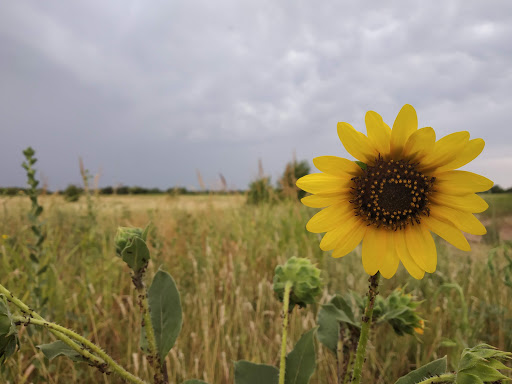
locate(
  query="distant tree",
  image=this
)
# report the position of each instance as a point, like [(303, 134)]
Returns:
[(107, 190), (72, 193), (261, 191), (123, 190), (497, 189), (293, 171)]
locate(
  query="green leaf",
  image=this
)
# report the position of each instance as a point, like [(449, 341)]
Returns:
[(166, 316), (436, 367), (481, 364), (301, 362), (59, 348), (329, 318), (136, 254), (251, 373), (195, 381), (362, 165), (8, 332)]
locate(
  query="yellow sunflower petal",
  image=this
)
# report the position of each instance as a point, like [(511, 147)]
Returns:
[(324, 183), (422, 247), (329, 218), (466, 203), (448, 232), (465, 221), (378, 132), (461, 182), (406, 123), (472, 149), (357, 144), (321, 201), (405, 257), (390, 258), (337, 166), (333, 237), (373, 242), (445, 150), (420, 143), (350, 240)]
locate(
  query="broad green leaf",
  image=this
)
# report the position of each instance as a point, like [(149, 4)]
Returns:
[(8, 332), (136, 255), (301, 362), (59, 348), (482, 364), (195, 381), (329, 319), (436, 367), (251, 373), (166, 316)]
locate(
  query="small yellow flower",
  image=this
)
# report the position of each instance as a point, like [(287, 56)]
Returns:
[(421, 328), (408, 188), (5, 237)]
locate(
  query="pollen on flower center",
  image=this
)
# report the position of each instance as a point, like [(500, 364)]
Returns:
[(391, 194)]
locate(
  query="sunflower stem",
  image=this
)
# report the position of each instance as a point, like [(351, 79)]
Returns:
[(365, 329), (286, 304)]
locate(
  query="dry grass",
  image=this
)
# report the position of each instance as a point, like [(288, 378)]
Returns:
[(222, 254)]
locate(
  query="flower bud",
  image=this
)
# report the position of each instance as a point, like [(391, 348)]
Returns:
[(124, 237), (305, 279), (131, 247)]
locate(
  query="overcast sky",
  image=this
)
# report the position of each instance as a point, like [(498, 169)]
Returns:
[(148, 92)]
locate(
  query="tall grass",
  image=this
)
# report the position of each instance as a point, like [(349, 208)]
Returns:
[(222, 254)]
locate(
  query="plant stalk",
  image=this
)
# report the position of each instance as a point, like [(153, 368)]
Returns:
[(153, 355), (365, 329), (286, 304), (66, 335), (93, 347)]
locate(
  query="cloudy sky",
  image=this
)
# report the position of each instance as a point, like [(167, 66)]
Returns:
[(148, 92)]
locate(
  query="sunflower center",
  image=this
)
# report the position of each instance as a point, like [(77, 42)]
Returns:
[(391, 194)]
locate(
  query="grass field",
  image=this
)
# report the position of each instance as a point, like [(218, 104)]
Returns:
[(222, 254)]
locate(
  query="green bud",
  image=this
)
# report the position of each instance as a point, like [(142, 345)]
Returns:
[(482, 362), (305, 278), (131, 247), (124, 237), (399, 310)]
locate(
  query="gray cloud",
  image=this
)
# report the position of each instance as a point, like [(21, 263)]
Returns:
[(152, 91)]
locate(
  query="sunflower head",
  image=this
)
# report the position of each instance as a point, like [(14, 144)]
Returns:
[(305, 279), (403, 186)]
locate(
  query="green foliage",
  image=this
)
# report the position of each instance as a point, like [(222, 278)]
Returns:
[(293, 171), (8, 332), (432, 369), (131, 247), (59, 348), (301, 361), (261, 191), (72, 193), (398, 310), (306, 280), (477, 365), (481, 364), (251, 373), (497, 189), (166, 315)]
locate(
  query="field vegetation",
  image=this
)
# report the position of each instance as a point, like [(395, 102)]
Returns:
[(222, 253)]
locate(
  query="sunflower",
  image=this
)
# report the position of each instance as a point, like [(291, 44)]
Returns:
[(404, 187)]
